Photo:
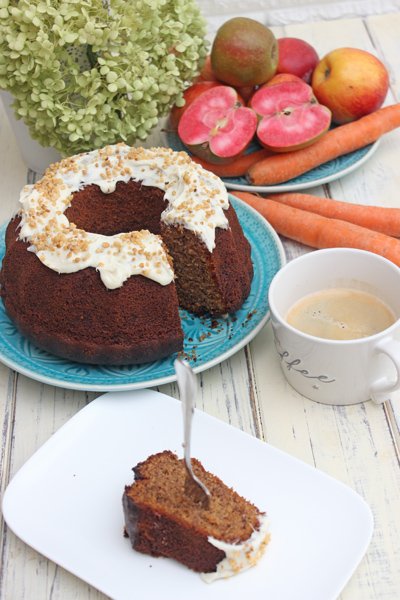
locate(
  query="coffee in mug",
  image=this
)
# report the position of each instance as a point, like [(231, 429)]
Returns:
[(340, 314), (333, 370)]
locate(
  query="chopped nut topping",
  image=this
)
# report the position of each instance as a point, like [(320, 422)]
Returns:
[(197, 199)]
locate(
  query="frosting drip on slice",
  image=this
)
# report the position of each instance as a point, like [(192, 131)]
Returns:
[(242, 556), (196, 199)]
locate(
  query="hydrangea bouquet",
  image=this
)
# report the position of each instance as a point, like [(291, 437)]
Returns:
[(86, 73)]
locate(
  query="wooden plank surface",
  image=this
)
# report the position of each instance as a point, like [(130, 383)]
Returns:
[(357, 445)]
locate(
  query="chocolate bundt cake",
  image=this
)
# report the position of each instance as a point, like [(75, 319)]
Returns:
[(109, 243), (161, 519)]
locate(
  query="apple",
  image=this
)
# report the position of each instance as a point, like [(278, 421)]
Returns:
[(244, 53), (351, 82), (189, 95), (216, 127), (282, 78), (297, 57), (276, 80), (246, 92), (289, 116), (206, 73)]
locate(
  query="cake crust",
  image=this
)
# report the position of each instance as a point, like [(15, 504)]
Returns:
[(159, 535), (76, 317)]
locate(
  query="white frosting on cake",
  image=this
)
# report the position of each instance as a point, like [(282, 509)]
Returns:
[(239, 557), (196, 198)]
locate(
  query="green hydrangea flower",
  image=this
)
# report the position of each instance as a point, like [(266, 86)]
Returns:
[(86, 73)]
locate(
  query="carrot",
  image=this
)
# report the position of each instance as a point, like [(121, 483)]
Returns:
[(379, 218), (335, 142), (238, 167), (322, 232)]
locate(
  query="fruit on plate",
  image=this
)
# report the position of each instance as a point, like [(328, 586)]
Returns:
[(246, 92), (244, 52), (296, 57), (281, 78), (216, 126), (206, 73), (351, 82), (190, 94), (289, 116)]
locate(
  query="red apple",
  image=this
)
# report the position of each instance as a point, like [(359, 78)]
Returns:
[(281, 78), (189, 95), (276, 80), (289, 116), (296, 57), (246, 92), (351, 82), (216, 127), (206, 73)]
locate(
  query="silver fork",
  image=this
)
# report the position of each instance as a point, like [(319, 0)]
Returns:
[(187, 384)]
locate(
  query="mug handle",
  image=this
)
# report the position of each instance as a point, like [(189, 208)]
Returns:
[(382, 386)]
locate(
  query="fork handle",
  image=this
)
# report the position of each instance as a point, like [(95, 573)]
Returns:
[(187, 384)]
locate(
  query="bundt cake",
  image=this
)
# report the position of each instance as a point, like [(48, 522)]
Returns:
[(109, 243), (161, 519)]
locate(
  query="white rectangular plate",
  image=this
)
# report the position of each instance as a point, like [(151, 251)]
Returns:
[(66, 503)]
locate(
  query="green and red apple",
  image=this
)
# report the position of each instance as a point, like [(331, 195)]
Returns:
[(244, 53), (351, 82)]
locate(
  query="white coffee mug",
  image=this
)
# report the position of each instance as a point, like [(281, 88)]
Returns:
[(339, 372)]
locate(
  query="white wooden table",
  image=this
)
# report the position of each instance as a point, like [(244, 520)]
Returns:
[(359, 445)]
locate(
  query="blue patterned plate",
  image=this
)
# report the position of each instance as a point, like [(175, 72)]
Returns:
[(208, 341), (329, 171)]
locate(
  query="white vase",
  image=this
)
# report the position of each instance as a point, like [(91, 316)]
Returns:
[(36, 157)]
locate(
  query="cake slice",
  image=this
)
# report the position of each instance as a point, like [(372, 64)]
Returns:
[(162, 520)]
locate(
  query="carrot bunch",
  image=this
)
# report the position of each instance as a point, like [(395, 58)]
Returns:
[(329, 223)]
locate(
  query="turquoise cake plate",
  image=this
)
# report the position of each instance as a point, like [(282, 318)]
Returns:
[(208, 341)]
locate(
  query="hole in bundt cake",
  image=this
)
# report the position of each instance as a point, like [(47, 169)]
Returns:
[(131, 207)]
